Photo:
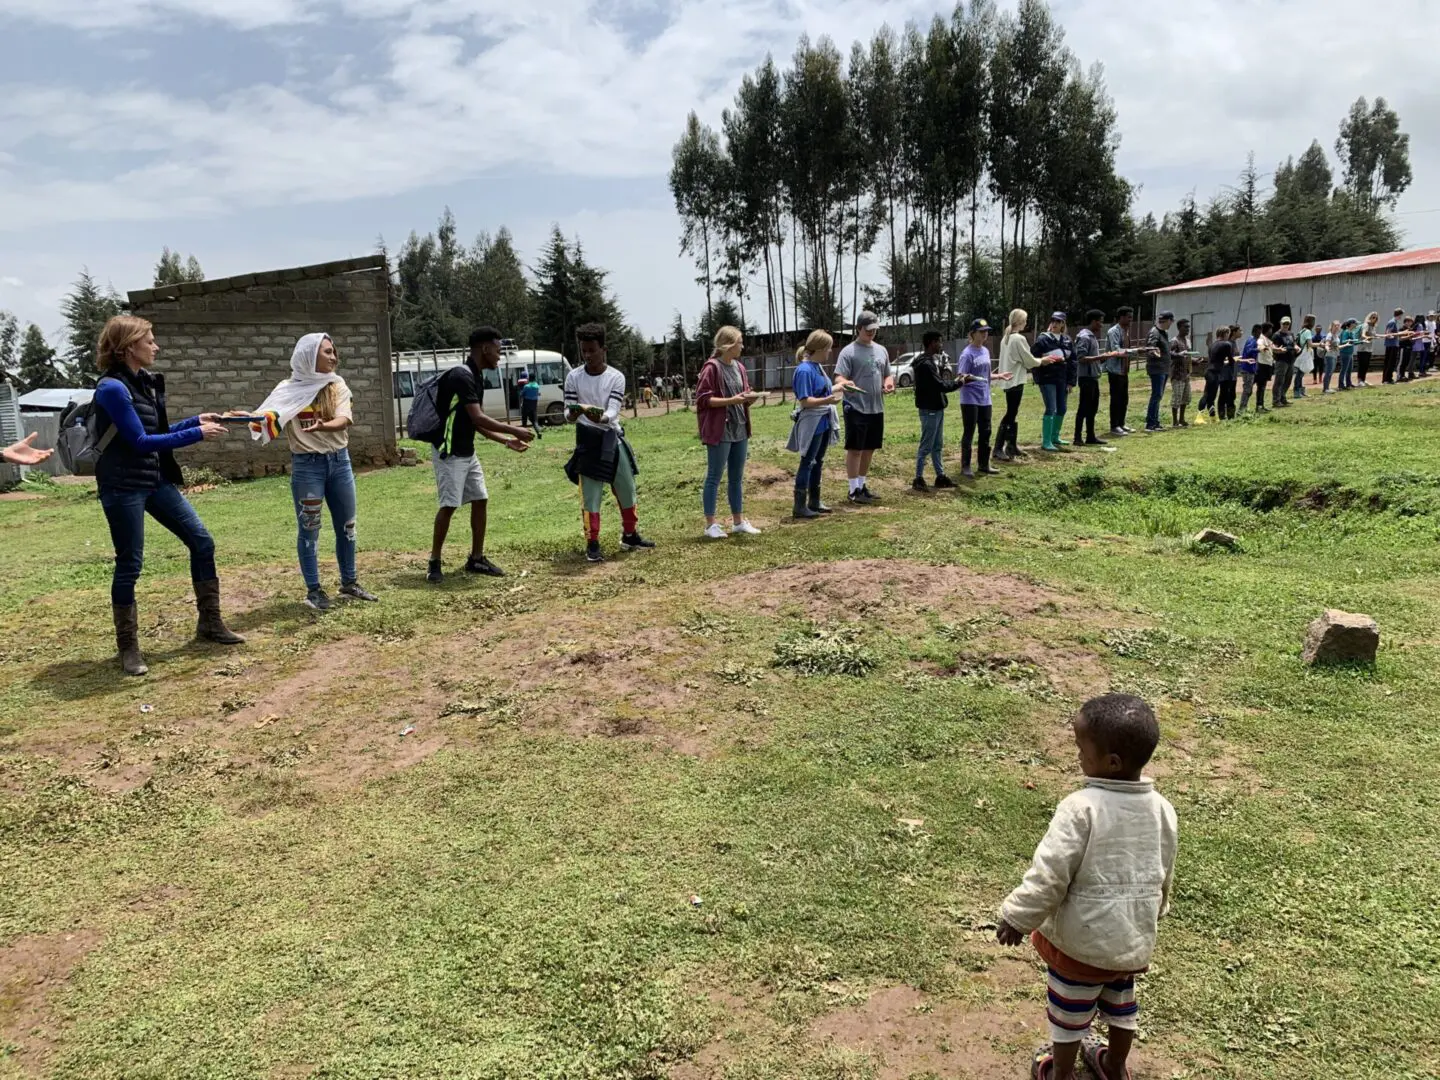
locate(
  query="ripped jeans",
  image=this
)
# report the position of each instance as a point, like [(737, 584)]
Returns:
[(317, 479)]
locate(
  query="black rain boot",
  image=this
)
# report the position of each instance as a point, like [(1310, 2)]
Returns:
[(1182, 417), (965, 469), (815, 503), (127, 639), (801, 511), (985, 469), (1174, 418), (210, 626), (1001, 453)]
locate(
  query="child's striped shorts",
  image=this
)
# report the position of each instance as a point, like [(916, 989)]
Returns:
[(1071, 1006)]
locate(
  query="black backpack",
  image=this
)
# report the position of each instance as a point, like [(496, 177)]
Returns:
[(424, 422)]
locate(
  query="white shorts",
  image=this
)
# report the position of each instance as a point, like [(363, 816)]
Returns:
[(459, 480)]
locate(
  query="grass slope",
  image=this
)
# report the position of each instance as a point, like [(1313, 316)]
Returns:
[(258, 876)]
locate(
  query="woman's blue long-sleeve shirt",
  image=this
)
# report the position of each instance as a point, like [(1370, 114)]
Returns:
[(114, 397)]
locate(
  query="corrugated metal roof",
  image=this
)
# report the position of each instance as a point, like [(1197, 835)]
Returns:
[(1363, 264), (54, 399)]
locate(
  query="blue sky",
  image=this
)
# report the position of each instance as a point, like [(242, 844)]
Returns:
[(264, 133)]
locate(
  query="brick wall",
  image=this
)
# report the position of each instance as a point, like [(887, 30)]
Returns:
[(224, 344)]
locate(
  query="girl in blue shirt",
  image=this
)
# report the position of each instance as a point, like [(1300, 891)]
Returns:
[(815, 422)]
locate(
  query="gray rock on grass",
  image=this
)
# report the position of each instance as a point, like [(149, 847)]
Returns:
[(1215, 536), (1339, 637)]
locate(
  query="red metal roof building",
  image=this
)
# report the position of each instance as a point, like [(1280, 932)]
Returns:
[(1333, 289), (1360, 264)]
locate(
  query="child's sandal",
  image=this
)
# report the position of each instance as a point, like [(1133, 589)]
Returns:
[(1094, 1052), (1042, 1065)]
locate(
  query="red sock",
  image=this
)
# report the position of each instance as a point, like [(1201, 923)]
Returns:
[(592, 525), (628, 520)]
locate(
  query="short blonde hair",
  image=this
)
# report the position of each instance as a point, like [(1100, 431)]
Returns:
[(818, 341), (119, 334), (727, 336)]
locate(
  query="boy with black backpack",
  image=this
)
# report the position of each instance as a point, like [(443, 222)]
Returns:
[(451, 427)]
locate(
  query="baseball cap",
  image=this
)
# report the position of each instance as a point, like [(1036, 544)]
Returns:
[(979, 324), (1167, 314), (865, 320), (1059, 316), (1284, 319)]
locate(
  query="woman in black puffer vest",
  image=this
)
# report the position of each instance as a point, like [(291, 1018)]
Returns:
[(137, 475)]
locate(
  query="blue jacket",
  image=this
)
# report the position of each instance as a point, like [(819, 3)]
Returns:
[(141, 456)]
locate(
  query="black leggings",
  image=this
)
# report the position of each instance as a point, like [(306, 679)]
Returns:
[(1119, 399), (1362, 365), (1009, 429), (1226, 398), (977, 416), (1262, 380)]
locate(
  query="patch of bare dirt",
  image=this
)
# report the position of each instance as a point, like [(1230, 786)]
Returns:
[(619, 676), (33, 969)]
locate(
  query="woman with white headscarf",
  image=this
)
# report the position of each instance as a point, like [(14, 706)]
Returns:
[(312, 407)]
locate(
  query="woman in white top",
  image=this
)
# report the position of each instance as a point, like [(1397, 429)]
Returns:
[(1016, 362), (1264, 365), (312, 407)]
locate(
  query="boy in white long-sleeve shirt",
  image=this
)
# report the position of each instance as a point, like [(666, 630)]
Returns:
[(1100, 881)]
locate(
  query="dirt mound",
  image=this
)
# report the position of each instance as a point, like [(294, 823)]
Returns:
[(885, 587)]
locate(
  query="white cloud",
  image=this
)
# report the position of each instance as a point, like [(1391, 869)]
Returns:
[(470, 88), (12, 282)]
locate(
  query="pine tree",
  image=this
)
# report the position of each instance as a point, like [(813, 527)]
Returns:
[(171, 271), (38, 369), (86, 311)]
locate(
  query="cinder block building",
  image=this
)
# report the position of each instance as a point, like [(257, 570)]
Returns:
[(225, 343)]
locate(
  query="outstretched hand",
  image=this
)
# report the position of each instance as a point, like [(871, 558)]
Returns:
[(25, 452)]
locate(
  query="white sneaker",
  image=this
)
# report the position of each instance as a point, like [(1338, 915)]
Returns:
[(715, 532), (744, 527)]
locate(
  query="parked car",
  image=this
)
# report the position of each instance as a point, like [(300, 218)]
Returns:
[(501, 396), (902, 369)]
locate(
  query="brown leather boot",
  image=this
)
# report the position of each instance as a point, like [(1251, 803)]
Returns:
[(210, 626), (127, 639)]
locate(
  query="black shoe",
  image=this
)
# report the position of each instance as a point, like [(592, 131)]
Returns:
[(316, 600), (801, 511), (870, 494), (943, 481), (635, 542), (987, 470), (1096, 442), (479, 564), (1001, 454), (355, 592), (918, 484), (434, 575), (861, 497), (1118, 433), (592, 552), (815, 503)]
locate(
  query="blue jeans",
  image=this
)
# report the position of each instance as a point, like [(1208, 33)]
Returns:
[(125, 511), (807, 477), (1347, 363), (1299, 383), (1157, 393), (728, 458), (1330, 360), (317, 479), (932, 441), (1056, 397)]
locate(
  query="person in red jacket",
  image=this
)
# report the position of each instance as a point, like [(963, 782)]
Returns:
[(722, 407)]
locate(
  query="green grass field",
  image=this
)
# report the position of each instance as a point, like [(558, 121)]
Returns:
[(844, 737)]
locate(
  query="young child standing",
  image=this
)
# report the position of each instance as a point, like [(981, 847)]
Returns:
[(1100, 881)]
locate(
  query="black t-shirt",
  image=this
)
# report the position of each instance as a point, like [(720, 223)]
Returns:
[(458, 388), (1222, 360)]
